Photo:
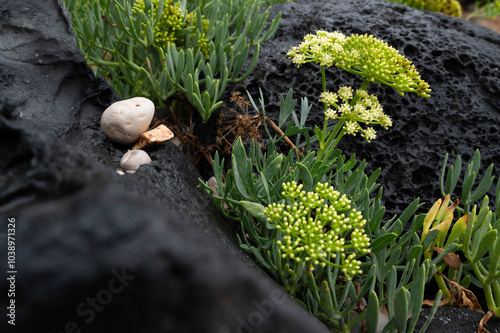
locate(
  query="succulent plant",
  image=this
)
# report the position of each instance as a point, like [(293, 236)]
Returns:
[(448, 7)]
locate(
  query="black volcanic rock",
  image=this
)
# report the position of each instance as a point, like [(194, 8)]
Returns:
[(455, 319), (97, 251), (460, 61), (92, 255)]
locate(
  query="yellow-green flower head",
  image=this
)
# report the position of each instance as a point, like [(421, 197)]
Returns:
[(319, 225), (329, 98), (378, 62), (366, 109), (449, 7), (454, 8), (364, 55), (320, 48)]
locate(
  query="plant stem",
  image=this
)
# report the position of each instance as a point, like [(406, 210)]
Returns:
[(321, 139), (496, 295), (442, 285), (280, 132), (364, 86), (323, 82), (338, 132), (490, 301), (101, 62)]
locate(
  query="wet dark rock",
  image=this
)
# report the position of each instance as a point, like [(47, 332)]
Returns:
[(94, 252), (97, 251), (456, 57)]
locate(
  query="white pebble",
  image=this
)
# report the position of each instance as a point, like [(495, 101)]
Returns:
[(125, 121), (133, 159)]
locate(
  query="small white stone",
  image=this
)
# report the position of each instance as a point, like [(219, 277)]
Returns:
[(126, 120), (133, 159)]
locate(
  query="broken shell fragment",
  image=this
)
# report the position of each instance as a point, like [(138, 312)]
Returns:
[(125, 121), (133, 159), (154, 137)]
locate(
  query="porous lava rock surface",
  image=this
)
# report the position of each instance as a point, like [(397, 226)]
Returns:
[(455, 319), (460, 61)]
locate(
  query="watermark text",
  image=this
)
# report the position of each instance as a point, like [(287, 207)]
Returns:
[(11, 271)]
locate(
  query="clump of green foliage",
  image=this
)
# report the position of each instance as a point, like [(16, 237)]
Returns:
[(314, 219), (158, 48), (476, 233), (173, 24), (486, 10), (452, 8)]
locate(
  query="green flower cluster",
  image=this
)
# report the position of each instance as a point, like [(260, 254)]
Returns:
[(364, 55), (448, 7), (319, 225), (322, 48), (366, 109), (375, 60), (171, 26)]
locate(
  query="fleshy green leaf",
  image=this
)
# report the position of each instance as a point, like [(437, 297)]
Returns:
[(434, 308), (417, 296), (458, 230), (255, 209), (382, 241), (326, 300), (273, 168), (484, 245), (431, 236), (401, 309), (306, 177), (409, 211), (372, 312)]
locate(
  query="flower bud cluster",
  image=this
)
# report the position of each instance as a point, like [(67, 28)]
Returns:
[(366, 109), (321, 48), (448, 7), (319, 225), (172, 21), (378, 62), (365, 55)]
